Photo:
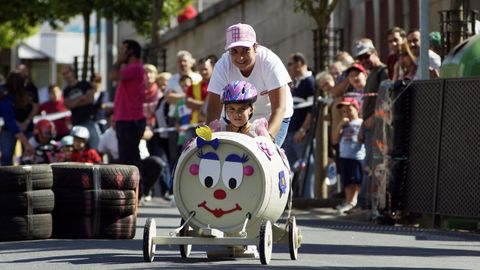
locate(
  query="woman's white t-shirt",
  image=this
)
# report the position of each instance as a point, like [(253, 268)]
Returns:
[(268, 73)]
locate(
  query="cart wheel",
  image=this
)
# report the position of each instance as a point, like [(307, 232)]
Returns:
[(149, 232), (265, 242), (293, 238), (184, 249)]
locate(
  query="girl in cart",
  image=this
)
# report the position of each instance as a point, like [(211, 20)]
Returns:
[(238, 98)]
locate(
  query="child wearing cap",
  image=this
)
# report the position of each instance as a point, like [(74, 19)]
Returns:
[(357, 77), (42, 141), (352, 152), (81, 149)]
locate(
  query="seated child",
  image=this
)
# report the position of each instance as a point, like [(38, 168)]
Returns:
[(81, 150), (238, 98), (43, 143), (64, 153)]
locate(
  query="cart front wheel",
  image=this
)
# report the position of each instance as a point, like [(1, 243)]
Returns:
[(149, 232), (265, 242), (184, 249)]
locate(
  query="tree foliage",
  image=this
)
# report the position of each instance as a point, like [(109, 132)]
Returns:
[(319, 10), (18, 19), (138, 12)]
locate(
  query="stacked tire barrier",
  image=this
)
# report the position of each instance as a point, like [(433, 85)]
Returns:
[(95, 201), (27, 201)]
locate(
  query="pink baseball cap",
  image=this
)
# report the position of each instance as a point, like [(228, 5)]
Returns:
[(349, 101), (357, 67), (240, 35)]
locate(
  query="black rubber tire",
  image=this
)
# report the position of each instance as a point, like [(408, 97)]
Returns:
[(18, 228), (14, 178), (292, 238), (264, 247), (149, 231), (111, 202), (72, 227), (120, 177), (112, 227), (17, 203), (72, 175), (82, 227), (80, 176)]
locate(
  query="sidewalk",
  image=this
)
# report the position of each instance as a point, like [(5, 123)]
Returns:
[(325, 209)]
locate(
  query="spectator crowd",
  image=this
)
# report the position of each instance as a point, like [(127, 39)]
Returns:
[(155, 113)]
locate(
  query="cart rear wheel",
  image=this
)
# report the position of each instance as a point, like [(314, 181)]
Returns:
[(265, 242), (184, 249), (149, 232), (293, 238)]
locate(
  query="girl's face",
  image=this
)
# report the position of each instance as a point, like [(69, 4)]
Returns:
[(243, 58), (357, 79), (152, 76), (238, 114), (78, 144), (350, 112)]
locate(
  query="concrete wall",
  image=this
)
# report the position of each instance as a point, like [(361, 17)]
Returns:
[(276, 24), (281, 29)]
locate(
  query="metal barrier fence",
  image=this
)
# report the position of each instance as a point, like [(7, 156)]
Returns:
[(443, 160)]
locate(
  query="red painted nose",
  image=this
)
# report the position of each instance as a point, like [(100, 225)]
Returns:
[(219, 194)]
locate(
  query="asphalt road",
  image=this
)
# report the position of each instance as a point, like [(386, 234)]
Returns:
[(329, 242)]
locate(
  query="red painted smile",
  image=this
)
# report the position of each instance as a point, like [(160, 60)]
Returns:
[(218, 212)]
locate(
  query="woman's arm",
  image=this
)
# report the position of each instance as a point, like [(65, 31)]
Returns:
[(277, 99)]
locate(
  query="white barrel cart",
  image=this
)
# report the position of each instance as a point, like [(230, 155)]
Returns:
[(230, 190)]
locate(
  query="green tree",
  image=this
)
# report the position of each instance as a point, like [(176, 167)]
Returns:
[(139, 12), (18, 20)]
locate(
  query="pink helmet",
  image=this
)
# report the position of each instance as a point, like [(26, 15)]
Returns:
[(239, 92)]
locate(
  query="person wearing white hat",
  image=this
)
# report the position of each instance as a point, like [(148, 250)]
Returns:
[(245, 60)]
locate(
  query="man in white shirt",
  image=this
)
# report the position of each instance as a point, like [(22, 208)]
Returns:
[(185, 63), (245, 60)]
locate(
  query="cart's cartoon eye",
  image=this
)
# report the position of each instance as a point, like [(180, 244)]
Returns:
[(232, 171), (209, 169)]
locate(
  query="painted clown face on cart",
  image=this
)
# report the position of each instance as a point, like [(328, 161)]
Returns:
[(221, 181)]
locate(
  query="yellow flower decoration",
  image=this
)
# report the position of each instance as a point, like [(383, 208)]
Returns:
[(204, 132)]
